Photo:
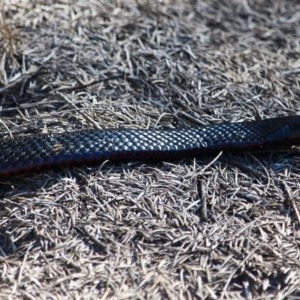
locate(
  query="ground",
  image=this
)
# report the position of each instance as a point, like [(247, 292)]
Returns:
[(222, 226)]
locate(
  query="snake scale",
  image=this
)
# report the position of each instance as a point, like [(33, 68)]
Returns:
[(36, 153)]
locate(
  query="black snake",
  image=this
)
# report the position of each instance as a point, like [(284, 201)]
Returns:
[(52, 151)]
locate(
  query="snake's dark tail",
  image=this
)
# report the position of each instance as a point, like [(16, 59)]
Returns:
[(42, 152)]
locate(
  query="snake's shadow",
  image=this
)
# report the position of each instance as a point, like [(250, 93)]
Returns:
[(252, 163)]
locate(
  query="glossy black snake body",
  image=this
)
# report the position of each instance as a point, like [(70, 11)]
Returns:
[(52, 151)]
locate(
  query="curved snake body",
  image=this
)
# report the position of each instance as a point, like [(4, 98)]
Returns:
[(52, 151)]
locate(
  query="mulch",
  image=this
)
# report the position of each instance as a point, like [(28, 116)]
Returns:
[(220, 226)]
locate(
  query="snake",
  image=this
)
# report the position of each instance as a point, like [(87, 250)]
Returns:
[(39, 152)]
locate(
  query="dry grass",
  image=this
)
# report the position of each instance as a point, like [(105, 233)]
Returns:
[(204, 228)]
